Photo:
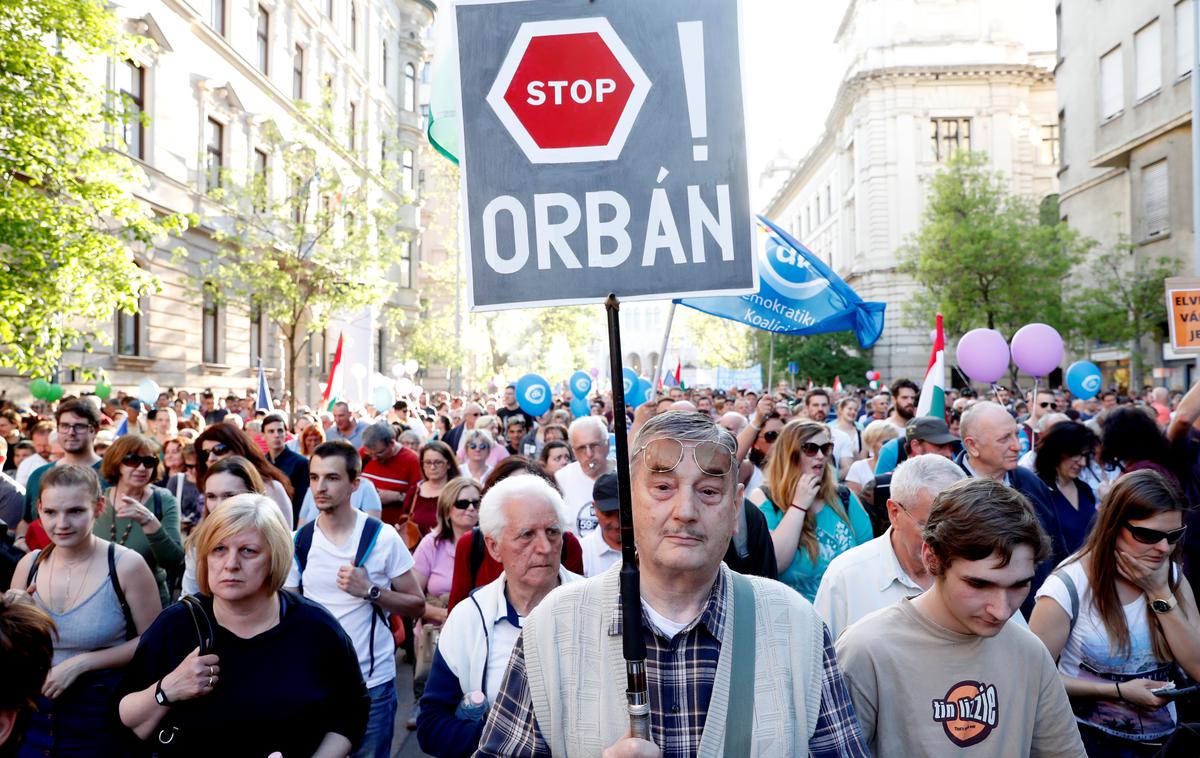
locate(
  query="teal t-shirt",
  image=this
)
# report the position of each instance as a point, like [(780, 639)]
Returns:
[(834, 537)]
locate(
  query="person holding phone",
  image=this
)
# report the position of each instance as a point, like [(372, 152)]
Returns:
[(1121, 618)]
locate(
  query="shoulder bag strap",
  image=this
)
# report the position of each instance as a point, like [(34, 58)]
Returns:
[(204, 631), (38, 556), (739, 722), (1073, 593), (130, 627)]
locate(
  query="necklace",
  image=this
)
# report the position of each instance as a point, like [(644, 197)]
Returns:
[(71, 597), (113, 529)]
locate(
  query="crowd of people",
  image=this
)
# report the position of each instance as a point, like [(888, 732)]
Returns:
[(176, 565)]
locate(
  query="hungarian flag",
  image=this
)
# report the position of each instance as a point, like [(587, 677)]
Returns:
[(679, 374), (837, 385), (333, 388), (933, 390)]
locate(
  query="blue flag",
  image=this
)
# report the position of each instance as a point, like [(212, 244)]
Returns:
[(123, 429), (797, 294), (263, 400)]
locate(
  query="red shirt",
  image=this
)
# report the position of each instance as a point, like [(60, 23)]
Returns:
[(490, 568), (399, 474)]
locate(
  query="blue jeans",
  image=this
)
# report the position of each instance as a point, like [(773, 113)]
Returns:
[(381, 724)]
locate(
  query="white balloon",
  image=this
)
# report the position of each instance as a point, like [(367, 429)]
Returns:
[(404, 386), (148, 391), (411, 365), (397, 370), (359, 371)]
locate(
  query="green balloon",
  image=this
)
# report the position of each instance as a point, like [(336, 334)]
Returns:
[(38, 388), (54, 392), (102, 390)]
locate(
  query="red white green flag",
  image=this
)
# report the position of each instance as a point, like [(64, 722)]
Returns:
[(933, 390), (333, 388)]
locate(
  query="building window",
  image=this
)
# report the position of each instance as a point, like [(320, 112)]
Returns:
[(1049, 148), (215, 153), (210, 327), (1184, 37), (133, 93), (298, 73), (828, 200), (262, 183), (406, 265), (353, 26), (1155, 214), (406, 170), (264, 39), (216, 16), (1112, 84), (383, 65), (1147, 49), (809, 224), (329, 9), (949, 135), (327, 94), (257, 332), (129, 332), (410, 87), (353, 124), (380, 344), (383, 149)]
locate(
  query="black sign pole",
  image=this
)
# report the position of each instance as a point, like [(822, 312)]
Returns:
[(636, 691)]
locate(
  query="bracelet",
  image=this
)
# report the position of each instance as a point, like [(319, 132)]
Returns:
[(1119, 695), (802, 510)]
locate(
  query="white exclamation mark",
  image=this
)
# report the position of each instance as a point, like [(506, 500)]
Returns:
[(691, 48)]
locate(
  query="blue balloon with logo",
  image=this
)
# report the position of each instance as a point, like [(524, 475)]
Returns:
[(1084, 379), (642, 393), (629, 382), (580, 407), (580, 384), (534, 394)]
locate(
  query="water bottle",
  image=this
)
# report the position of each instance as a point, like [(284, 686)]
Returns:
[(473, 706)]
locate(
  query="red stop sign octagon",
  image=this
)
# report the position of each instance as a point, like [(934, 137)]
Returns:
[(569, 91)]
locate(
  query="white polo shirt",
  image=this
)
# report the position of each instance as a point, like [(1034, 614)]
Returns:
[(860, 581), (597, 554)]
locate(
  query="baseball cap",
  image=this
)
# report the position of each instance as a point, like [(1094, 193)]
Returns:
[(604, 493), (929, 429)]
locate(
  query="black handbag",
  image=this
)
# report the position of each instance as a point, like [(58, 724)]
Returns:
[(168, 736)]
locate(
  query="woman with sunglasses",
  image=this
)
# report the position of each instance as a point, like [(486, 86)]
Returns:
[(1062, 454), (139, 514), (457, 514), (1121, 619), (222, 440), (478, 444), (812, 520)]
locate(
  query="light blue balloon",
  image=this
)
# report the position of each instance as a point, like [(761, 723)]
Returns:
[(643, 393), (1084, 379), (580, 408), (382, 398), (581, 384), (629, 380), (534, 394)]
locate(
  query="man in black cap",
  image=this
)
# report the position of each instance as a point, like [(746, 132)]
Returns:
[(602, 546)]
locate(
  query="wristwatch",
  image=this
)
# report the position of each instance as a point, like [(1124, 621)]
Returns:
[(160, 697), (373, 594), (1160, 605)]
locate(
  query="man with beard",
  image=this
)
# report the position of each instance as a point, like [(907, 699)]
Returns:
[(904, 398)]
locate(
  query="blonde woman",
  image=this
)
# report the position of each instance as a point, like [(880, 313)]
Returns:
[(874, 437), (812, 520)]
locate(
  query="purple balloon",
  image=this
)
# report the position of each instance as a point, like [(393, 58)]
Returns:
[(983, 355), (1037, 349)]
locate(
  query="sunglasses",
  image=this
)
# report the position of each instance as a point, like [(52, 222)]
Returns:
[(811, 449), (464, 504), (218, 449), (1154, 536), (663, 455), (477, 446), (1051, 406), (145, 461), (189, 466), (771, 436)]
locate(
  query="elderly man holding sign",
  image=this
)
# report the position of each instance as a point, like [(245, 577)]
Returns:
[(563, 692)]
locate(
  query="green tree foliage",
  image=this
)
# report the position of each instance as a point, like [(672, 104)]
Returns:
[(820, 357), (1123, 302), (328, 246), (985, 257), (69, 221), (717, 341)]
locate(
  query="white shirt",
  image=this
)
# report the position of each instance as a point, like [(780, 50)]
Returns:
[(597, 554), (845, 445), (365, 498), (1028, 460), (27, 467), (577, 487), (862, 580), (862, 471), (388, 560)]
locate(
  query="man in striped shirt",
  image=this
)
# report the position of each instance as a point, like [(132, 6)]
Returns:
[(392, 468)]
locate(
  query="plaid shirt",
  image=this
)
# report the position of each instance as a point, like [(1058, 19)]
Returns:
[(680, 673)]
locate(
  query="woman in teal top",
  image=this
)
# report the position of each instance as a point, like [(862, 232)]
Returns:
[(810, 522)]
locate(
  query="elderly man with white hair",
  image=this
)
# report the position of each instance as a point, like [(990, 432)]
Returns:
[(523, 522), (588, 436), (889, 568)]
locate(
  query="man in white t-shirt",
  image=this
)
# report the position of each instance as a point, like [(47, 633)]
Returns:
[(354, 593), (602, 546), (589, 440)]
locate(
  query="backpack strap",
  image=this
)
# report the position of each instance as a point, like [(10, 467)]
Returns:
[(844, 495), (477, 550), (366, 540), (130, 627), (303, 540), (1073, 594), (739, 721)]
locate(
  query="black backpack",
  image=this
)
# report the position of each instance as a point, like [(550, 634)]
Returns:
[(366, 542), (130, 627)]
